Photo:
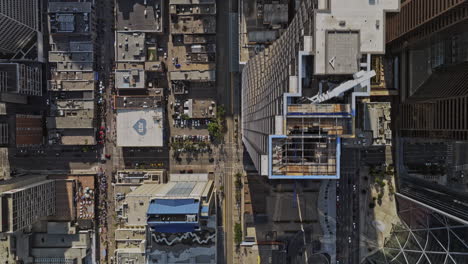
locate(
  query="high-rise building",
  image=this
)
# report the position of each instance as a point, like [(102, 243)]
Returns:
[(22, 206), (325, 52), (19, 78), (20, 21), (422, 236), (429, 43)]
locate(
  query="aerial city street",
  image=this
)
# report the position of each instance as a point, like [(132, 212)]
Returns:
[(233, 131)]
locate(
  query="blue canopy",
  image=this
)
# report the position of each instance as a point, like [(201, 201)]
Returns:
[(173, 206)]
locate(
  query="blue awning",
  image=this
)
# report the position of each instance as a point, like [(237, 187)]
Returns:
[(173, 206)]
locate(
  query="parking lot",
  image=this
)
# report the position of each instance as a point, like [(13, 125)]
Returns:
[(191, 148)]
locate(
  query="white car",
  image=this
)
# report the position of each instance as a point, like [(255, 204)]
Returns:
[(349, 240)]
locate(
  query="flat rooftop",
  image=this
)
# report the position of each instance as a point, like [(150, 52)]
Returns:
[(193, 75), (137, 102), (349, 16), (72, 76), (29, 130), (130, 79), (192, 9), (66, 56), (139, 176), (139, 200), (196, 108), (78, 137), (70, 122), (133, 15), (193, 25), (72, 85), (140, 128), (275, 13), (192, 2), (173, 189), (70, 17), (70, 7), (61, 104), (74, 66), (130, 46)]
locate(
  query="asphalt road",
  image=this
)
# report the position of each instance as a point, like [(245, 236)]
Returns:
[(105, 45), (348, 207), (226, 95), (144, 157), (59, 159)]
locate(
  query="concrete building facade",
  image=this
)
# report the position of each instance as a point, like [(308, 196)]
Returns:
[(22, 206), (428, 43), (20, 21), (20, 79)]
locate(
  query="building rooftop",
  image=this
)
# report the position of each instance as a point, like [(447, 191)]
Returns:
[(192, 2), (193, 75), (199, 39), (275, 13), (200, 108), (78, 137), (64, 122), (174, 206), (262, 36), (193, 25), (65, 56), (70, 246), (62, 104), (71, 85), (174, 189), (185, 187), (137, 102), (72, 76), (140, 176), (130, 46), (140, 128), (349, 16), (377, 119), (188, 8), (70, 17), (74, 66), (71, 192), (70, 7), (343, 53), (130, 79), (29, 130), (134, 15)]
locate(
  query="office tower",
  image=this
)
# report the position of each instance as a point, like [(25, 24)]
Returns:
[(23, 205), (20, 21), (18, 78), (422, 236), (293, 114), (431, 63)]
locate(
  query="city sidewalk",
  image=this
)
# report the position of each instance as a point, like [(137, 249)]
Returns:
[(375, 224)]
